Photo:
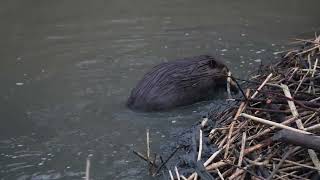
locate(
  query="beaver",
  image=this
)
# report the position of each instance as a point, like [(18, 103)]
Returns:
[(179, 83)]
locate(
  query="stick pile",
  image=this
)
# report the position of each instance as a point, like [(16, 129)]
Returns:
[(274, 132)]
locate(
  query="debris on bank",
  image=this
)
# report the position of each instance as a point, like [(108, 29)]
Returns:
[(272, 131)]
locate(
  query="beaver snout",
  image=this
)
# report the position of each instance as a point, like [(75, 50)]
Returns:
[(234, 86)]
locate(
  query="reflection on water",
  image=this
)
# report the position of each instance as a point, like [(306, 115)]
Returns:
[(68, 66)]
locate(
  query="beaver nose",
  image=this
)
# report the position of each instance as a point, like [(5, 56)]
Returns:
[(234, 87), (233, 84)]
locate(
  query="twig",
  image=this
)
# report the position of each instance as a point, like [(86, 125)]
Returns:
[(171, 176), (88, 169), (148, 145), (312, 128), (242, 105), (219, 174), (228, 84), (243, 146), (143, 157), (177, 172), (303, 52), (200, 146), (261, 86), (295, 163), (280, 164), (165, 162), (229, 140), (273, 123), (214, 155), (245, 169)]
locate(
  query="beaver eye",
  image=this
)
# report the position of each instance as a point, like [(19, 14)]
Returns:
[(212, 64)]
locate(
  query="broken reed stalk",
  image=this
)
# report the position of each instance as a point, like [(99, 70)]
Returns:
[(148, 145), (87, 177)]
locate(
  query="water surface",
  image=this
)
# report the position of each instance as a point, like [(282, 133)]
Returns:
[(67, 67)]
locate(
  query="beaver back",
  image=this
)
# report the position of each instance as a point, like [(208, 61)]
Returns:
[(178, 83)]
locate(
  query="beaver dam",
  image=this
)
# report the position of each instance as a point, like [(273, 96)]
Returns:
[(270, 131)]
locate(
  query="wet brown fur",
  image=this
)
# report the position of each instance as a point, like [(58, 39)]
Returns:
[(178, 83)]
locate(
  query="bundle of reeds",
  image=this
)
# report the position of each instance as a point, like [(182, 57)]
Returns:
[(274, 131)]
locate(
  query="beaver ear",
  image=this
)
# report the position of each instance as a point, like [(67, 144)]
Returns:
[(212, 64)]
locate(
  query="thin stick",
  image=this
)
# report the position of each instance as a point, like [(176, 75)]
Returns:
[(214, 155), (306, 40), (315, 47), (243, 142), (142, 157), (293, 108), (312, 76), (195, 176), (245, 169), (165, 162), (183, 177), (177, 172), (210, 167), (228, 85), (171, 176), (148, 145), (88, 169), (242, 106), (199, 153), (314, 159), (314, 127), (264, 143), (229, 141), (220, 175), (301, 81), (270, 129), (295, 163), (279, 165), (236, 174), (264, 121), (243, 145), (315, 99), (200, 146), (216, 165), (261, 86)]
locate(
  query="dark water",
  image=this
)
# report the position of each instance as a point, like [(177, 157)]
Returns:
[(67, 67)]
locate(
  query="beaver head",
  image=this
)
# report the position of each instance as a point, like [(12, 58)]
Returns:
[(215, 73)]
